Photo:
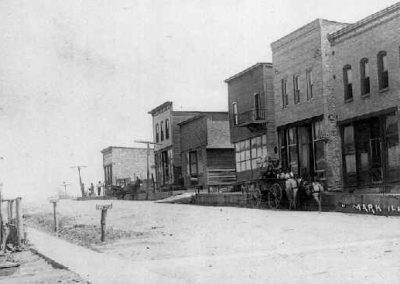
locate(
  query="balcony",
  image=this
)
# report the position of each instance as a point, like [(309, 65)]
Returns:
[(252, 119)]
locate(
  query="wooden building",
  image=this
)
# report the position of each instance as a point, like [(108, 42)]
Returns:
[(208, 159)]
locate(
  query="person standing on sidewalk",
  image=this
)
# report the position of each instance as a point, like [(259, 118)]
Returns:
[(99, 188)]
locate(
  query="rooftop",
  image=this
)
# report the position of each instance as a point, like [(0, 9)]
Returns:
[(119, 147), (200, 115), (164, 105), (247, 70), (374, 17)]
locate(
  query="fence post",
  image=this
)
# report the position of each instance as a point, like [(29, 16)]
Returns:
[(20, 224)]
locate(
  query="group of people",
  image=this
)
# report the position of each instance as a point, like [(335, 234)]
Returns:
[(91, 189)]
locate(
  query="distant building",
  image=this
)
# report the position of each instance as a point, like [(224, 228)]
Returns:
[(167, 151), (208, 158), (252, 119), (124, 164)]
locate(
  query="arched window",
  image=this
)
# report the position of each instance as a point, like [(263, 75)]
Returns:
[(157, 133), (167, 128), (364, 76), (383, 75), (348, 83), (235, 115), (162, 130)]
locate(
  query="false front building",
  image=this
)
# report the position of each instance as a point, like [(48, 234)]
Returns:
[(208, 158), (167, 150), (366, 79), (251, 119)]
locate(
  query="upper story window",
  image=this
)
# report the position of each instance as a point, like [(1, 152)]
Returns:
[(296, 89), (167, 128), (285, 100), (348, 82), (162, 130), (157, 133), (383, 75), (310, 84), (235, 114), (257, 106), (364, 73)]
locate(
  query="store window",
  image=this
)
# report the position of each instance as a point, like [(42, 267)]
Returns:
[(392, 141), (319, 153), (292, 149), (349, 150), (249, 152)]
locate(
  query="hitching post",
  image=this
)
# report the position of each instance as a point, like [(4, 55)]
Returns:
[(103, 209), (54, 201), (20, 224)]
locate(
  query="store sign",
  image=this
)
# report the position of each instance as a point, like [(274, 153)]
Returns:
[(374, 209)]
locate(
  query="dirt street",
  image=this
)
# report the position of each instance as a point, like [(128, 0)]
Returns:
[(195, 244)]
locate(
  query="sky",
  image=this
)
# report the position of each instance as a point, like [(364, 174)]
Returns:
[(79, 76)]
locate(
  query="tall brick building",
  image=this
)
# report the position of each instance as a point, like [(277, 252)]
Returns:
[(122, 164), (208, 158), (307, 135), (252, 118), (167, 151), (366, 100)]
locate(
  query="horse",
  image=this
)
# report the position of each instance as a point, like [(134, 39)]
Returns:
[(311, 189), (291, 188)]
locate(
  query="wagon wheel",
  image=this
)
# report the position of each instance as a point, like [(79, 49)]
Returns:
[(256, 197), (275, 195)]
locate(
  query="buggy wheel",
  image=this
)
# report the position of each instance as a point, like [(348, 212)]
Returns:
[(274, 196), (256, 197)]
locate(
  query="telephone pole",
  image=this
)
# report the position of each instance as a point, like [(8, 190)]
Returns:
[(148, 143), (64, 184), (80, 179)]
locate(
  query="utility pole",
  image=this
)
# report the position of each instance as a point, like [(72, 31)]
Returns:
[(80, 179), (64, 184), (148, 143)]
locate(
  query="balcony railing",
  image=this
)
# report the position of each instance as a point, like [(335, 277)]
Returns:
[(253, 116)]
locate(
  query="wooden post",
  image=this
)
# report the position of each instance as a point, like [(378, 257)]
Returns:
[(10, 210), (55, 215), (54, 201), (103, 209), (103, 224), (20, 224)]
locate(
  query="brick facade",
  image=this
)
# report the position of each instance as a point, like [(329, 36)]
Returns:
[(127, 163), (305, 54), (365, 40)]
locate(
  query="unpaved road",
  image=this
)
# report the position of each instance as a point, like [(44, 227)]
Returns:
[(194, 244)]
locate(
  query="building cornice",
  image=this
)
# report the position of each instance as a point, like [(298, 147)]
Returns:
[(371, 20), (266, 64)]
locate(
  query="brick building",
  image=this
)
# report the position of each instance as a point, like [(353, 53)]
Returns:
[(124, 164), (252, 118), (366, 81), (208, 158), (167, 151), (302, 87)]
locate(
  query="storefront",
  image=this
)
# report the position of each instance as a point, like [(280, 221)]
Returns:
[(248, 154), (371, 150), (302, 147), (164, 167)]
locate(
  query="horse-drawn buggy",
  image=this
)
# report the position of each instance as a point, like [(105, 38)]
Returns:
[(276, 188)]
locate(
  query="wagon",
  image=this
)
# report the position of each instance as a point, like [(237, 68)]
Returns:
[(266, 190)]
